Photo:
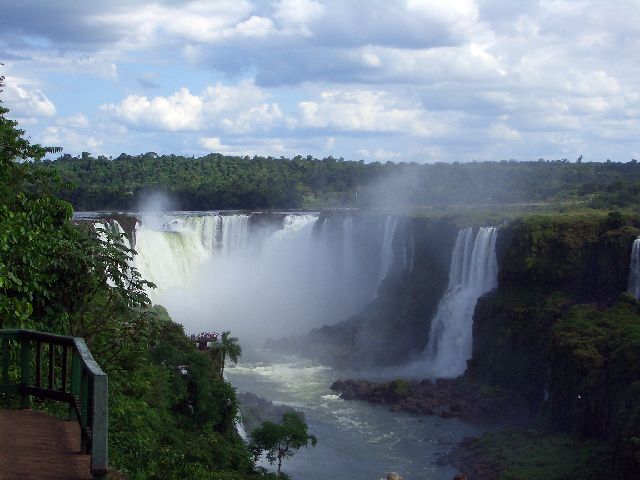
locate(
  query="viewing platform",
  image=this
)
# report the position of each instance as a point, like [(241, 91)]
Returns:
[(38, 446), (34, 444), (204, 338)]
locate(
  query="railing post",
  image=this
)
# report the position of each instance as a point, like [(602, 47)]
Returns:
[(25, 374), (76, 375), (5, 361), (52, 366), (84, 408), (38, 363), (63, 387), (100, 427)]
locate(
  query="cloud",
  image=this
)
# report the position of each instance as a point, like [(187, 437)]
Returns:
[(385, 155), (425, 80), (248, 146), (232, 109), (27, 100), (70, 139), (294, 15), (146, 81), (501, 131), (365, 111), (76, 121)]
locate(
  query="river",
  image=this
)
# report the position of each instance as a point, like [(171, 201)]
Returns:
[(356, 440)]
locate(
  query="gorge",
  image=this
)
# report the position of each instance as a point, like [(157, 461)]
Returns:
[(368, 292)]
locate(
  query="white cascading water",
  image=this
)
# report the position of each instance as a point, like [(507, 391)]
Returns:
[(222, 272), (387, 252), (634, 270), (474, 271)]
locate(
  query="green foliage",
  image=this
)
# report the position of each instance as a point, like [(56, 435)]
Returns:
[(519, 454), (554, 324), (170, 416), (584, 255), (280, 441), (593, 382), (216, 181), (56, 276)]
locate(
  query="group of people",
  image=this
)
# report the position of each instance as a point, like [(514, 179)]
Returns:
[(204, 336)]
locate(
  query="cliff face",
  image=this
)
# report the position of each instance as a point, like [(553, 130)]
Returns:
[(561, 330), (547, 265)]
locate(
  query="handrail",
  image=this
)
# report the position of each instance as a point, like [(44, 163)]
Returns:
[(86, 394)]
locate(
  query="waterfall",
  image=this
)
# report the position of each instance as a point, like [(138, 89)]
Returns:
[(473, 272), (263, 275), (348, 253), (634, 270), (385, 249), (234, 232)]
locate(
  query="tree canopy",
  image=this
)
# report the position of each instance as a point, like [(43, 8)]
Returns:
[(280, 441), (217, 181)]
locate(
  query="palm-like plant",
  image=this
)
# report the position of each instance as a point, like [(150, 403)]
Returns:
[(226, 346)]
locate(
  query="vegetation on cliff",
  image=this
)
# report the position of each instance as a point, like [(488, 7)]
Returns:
[(561, 329)]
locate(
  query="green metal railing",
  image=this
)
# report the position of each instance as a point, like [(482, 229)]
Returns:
[(86, 392)]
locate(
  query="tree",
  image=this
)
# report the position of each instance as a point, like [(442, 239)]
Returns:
[(225, 347), (280, 441), (57, 276)]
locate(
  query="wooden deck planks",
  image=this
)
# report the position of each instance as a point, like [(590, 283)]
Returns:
[(35, 445)]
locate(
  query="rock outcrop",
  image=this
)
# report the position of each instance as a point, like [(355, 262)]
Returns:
[(445, 398)]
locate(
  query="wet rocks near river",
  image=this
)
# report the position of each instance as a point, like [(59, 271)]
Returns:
[(443, 398)]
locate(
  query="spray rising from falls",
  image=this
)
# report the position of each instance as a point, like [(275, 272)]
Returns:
[(474, 271), (263, 275), (634, 270)]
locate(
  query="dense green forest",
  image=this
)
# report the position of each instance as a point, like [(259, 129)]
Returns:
[(217, 182)]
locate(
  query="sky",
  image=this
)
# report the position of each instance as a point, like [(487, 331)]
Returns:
[(377, 80)]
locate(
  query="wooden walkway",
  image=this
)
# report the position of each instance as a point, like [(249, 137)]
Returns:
[(37, 446)]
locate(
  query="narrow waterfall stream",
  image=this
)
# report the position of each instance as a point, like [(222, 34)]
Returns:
[(474, 271)]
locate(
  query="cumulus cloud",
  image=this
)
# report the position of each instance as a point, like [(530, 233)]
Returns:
[(78, 120), (233, 109), (501, 131), (294, 15), (249, 146), (27, 100), (70, 139), (365, 110), (385, 155), (401, 80)]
